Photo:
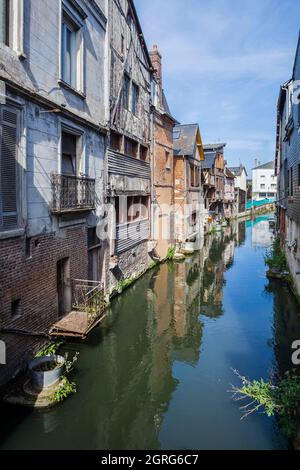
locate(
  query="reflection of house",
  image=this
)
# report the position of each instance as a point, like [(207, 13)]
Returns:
[(129, 176), (188, 154), (264, 182), (262, 236), (163, 168), (214, 177), (52, 128), (240, 184)]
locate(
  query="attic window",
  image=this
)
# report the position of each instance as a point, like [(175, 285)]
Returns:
[(176, 135)]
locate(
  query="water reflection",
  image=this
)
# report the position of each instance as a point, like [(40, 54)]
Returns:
[(156, 374)]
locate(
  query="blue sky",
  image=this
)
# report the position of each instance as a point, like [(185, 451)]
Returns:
[(223, 63)]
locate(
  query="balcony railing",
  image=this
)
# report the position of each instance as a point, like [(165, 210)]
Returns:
[(72, 193)]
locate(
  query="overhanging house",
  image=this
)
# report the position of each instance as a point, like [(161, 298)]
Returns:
[(52, 149), (288, 170), (128, 155), (214, 194), (189, 207)]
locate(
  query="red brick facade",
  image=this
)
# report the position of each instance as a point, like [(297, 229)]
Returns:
[(28, 279)]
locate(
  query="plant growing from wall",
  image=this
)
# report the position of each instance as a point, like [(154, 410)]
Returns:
[(281, 399), (124, 284), (171, 253), (64, 390), (275, 257), (66, 387), (50, 349)]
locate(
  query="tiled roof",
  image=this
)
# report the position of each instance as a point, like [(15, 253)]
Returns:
[(266, 166), (185, 136), (209, 160)]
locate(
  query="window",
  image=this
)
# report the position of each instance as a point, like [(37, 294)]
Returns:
[(291, 183), (69, 154), (9, 130), (143, 153), (168, 161), (16, 309), (69, 53), (131, 147), (194, 176), (126, 92), (134, 98), (122, 44), (116, 141), (262, 176), (4, 21), (262, 186), (262, 194), (273, 186), (138, 208), (72, 53)]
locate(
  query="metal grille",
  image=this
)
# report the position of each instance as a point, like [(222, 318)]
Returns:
[(71, 193)]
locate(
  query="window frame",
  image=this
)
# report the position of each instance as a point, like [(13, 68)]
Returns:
[(134, 99), (70, 22), (126, 92)]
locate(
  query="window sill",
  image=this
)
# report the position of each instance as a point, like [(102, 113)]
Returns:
[(12, 233), (65, 85)]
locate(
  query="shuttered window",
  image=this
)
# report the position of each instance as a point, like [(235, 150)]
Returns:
[(8, 168)]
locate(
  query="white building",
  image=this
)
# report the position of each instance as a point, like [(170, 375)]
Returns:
[(264, 182)]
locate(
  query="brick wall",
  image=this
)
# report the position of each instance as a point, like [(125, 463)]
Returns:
[(33, 281)]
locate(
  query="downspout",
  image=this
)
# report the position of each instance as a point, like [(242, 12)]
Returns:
[(152, 155)]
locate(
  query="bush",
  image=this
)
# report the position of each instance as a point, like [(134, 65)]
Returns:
[(281, 399), (275, 258)]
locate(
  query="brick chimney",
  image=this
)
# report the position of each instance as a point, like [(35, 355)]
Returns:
[(156, 63)]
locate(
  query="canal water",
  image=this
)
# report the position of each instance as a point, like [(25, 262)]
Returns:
[(157, 373)]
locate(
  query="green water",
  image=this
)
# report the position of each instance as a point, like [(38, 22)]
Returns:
[(156, 374)]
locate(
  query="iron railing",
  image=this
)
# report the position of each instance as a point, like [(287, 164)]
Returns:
[(72, 193)]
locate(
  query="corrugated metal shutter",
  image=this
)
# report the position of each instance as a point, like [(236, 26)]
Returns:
[(8, 168)]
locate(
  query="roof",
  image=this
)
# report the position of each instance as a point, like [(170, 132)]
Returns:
[(141, 34), (184, 136), (237, 170), (212, 147), (229, 173), (266, 166), (209, 160), (166, 107)]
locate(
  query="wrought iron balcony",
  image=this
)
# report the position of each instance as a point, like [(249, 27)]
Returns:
[(72, 193)]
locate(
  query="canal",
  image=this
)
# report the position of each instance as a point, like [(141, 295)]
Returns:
[(156, 374)]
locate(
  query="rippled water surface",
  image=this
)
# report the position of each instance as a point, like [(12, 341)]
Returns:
[(156, 374)]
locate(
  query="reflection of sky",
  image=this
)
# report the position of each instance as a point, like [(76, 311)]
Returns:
[(262, 236), (240, 339)]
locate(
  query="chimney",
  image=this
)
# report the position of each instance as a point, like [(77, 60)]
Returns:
[(156, 63)]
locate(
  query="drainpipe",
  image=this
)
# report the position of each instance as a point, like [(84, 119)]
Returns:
[(152, 151)]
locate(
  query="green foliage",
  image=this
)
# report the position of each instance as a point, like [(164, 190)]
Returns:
[(282, 399), (64, 390), (275, 258), (213, 230), (124, 284), (171, 253), (70, 365), (50, 349)]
